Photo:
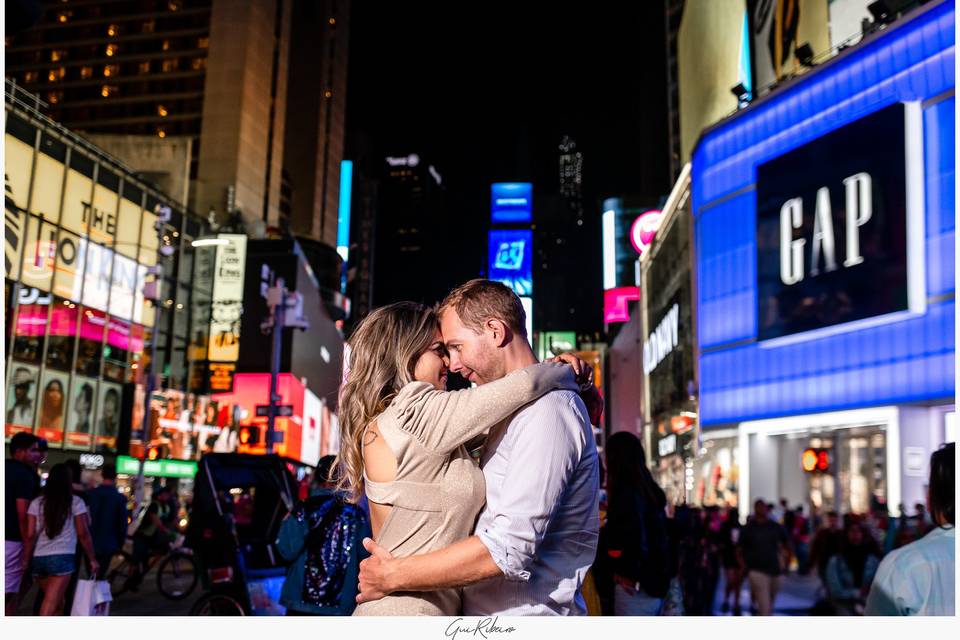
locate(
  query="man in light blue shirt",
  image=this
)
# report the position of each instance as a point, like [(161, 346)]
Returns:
[(536, 537), (920, 578)]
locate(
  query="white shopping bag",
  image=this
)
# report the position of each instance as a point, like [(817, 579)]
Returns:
[(84, 598), (103, 598)]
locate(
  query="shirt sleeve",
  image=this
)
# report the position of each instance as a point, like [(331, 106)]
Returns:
[(79, 506), (547, 444), (23, 487), (34, 508), (443, 420)]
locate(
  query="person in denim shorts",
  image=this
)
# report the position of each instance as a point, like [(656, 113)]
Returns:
[(55, 521)]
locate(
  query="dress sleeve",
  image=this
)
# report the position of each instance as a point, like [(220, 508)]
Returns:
[(443, 420)]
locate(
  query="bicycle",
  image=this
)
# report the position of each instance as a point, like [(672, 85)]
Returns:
[(177, 574)]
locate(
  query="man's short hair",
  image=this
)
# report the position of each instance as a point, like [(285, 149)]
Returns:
[(22, 441), (108, 471), (479, 300)]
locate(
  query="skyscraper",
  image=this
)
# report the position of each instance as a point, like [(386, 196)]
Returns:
[(571, 175), (202, 88)]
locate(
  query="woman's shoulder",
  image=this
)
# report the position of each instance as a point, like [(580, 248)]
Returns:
[(78, 505)]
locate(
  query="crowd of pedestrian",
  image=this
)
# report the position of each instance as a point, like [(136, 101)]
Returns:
[(867, 564), (56, 532)]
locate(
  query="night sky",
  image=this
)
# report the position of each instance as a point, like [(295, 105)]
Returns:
[(486, 96)]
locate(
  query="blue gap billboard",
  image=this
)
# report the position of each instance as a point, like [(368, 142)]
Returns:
[(773, 353)]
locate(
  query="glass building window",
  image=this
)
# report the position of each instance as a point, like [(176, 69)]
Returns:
[(90, 348), (63, 334), (86, 72)]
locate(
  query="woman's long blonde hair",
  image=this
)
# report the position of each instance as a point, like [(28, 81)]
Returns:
[(384, 350)]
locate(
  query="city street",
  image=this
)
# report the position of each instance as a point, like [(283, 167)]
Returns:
[(568, 306)]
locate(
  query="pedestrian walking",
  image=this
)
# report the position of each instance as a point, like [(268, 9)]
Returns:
[(826, 543), (322, 540), (21, 486), (57, 519), (636, 529), (920, 578), (108, 518), (732, 569), (763, 549), (851, 570)]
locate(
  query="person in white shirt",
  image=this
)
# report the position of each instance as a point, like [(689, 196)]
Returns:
[(536, 537), (55, 521), (920, 578)]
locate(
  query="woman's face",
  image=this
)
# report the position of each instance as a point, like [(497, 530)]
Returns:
[(433, 364), (55, 396), (855, 535)]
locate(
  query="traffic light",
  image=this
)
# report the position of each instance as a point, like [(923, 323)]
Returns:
[(249, 435), (815, 460)]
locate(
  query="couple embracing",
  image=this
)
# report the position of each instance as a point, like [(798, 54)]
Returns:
[(514, 535)]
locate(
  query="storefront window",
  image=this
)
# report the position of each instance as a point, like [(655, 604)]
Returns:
[(63, 332), (717, 473), (90, 350), (30, 328)]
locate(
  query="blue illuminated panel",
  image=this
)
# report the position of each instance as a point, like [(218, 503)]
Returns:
[(511, 202), (511, 259), (910, 359)]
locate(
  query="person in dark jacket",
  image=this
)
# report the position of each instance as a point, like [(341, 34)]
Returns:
[(636, 531), (108, 518), (321, 527)]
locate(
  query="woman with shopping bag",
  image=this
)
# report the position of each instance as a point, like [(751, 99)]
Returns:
[(55, 521)]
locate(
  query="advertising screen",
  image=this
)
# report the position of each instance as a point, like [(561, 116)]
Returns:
[(832, 228), (21, 398), (52, 405), (80, 419), (511, 202), (511, 259)]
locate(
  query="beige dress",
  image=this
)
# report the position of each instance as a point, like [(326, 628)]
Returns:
[(439, 489)]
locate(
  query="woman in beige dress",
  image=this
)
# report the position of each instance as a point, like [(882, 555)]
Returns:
[(403, 440)]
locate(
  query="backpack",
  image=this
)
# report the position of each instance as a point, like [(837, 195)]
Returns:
[(330, 546)]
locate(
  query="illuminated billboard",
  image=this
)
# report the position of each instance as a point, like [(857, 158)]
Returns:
[(511, 202), (511, 259)]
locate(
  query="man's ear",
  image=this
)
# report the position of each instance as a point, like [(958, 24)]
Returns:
[(498, 331)]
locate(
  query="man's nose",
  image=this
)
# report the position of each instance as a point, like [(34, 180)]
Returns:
[(454, 363)]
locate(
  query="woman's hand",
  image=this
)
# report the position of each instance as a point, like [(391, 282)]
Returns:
[(94, 567), (581, 370)]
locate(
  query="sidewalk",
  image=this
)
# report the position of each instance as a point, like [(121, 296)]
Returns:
[(795, 598)]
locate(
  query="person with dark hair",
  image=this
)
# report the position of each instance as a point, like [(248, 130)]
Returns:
[(732, 569), (21, 485), (56, 521), (764, 549), (826, 543), (920, 578), (636, 533), (82, 405), (21, 410), (324, 564), (108, 518), (851, 570), (51, 406), (109, 414)]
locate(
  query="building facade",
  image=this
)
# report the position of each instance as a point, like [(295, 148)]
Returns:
[(86, 240), (204, 83), (824, 241)]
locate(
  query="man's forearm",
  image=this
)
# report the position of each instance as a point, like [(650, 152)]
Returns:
[(460, 564)]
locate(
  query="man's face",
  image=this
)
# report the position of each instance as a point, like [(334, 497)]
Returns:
[(33, 456), (760, 509), (472, 355), (20, 392)]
